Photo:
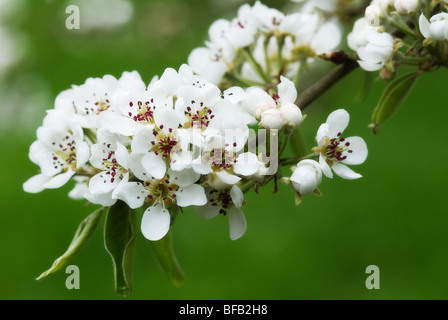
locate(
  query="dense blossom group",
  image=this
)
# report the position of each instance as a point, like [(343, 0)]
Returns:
[(182, 140)]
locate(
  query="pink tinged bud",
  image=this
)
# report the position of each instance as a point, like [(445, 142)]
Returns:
[(261, 108), (272, 119), (291, 114)]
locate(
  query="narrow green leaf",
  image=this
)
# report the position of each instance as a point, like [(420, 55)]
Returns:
[(82, 235), (164, 252), (392, 98), (119, 240)]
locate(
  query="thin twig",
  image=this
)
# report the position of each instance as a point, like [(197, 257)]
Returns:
[(315, 91)]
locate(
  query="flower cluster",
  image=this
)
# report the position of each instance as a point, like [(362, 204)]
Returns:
[(262, 43), (184, 140), (391, 25), (161, 146)]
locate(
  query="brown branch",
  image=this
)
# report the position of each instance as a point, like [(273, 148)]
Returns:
[(312, 93)]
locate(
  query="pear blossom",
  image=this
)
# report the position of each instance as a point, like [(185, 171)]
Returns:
[(436, 28), (406, 6), (86, 103), (227, 202), (60, 151), (277, 110), (110, 156), (224, 161), (306, 177), (160, 195), (262, 33), (373, 47), (329, 6), (335, 151)]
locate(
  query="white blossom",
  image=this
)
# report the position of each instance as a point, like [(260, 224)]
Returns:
[(306, 177), (335, 151), (227, 202), (373, 47), (406, 6), (59, 151), (436, 28), (277, 110)]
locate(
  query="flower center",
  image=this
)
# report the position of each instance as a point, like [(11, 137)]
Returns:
[(164, 144), (336, 148), (99, 105), (161, 192), (111, 167), (65, 153), (142, 112), (220, 158), (222, 199)]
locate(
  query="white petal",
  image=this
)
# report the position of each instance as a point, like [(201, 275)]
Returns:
[(208, 211), (237, 223), (122, 155), (359, 148), (327, 38), (155, 223), (345, 172), (135, 165), (322, 132), (167, 118), (82, 154), (183, 178), (193, 195), (36, 183), (59, 180), (246, 164), (337, 122), (154, 165), (170, 81), (287, 90), (237, 196), (234, 94), (117, 123), (141, 142), (104, 199), (102, 183), (227, 178), (424, 25), (133, 193), (326, 170), (370, 66)]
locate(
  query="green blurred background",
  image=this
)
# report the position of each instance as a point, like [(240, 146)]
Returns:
[(395, 217)]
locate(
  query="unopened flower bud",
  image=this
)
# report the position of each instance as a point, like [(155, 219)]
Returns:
[(306, 177), (272, 119), (291, 114), (406, 6)]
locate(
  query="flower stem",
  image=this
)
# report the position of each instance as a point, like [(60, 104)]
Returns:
[(295, 160), (256, 65)]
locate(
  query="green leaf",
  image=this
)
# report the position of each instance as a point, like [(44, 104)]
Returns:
[(392, 98), (82, 235), (164, 252), (119, 240)]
